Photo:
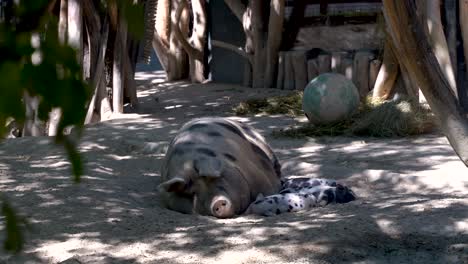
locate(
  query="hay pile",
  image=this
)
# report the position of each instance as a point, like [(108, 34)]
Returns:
[(290, 104), (396, 118)]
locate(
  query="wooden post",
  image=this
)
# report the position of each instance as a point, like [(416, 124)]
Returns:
[(361, 72), (312, 69), (463, 10), (387, 74), (374, 67), (288, 72), (324, 63), (347, 67), (280, 79), (336, 61), (275, 31), (299, 69)]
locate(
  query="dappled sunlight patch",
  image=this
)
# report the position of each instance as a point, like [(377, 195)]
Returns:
[(150, 75), (61, 250), (388, 227), (100, 169), (117, 157), (247, 255), (460, 226)]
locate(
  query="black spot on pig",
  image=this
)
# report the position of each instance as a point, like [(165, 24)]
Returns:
[(178, 151), (206, 151), (231, 128), (214, 134), (196, 126), (230, 157)]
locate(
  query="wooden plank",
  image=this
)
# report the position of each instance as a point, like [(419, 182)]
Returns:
[(374, 67), (312, 69), (288, 72), (361, 72), (336, 61), (324, 63), (280, 79), (300, 70)]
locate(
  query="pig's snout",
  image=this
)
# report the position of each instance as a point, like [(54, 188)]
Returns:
[(222, 208)]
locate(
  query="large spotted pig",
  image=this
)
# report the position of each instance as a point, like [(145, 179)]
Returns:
[(216, 166)]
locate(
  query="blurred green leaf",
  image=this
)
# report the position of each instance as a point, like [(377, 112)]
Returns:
[(134, 15), (14, 238)]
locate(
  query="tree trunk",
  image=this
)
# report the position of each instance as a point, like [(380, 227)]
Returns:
[(249, 46), (361, 72), (300, 69), (463, 9), (56, 113), (258, 41), (32, 125), (63, 21), (435, 31), (163, 21), (411, 88), (177, 59), (280, 79), (194, 49), (96, 81), (414, 50), (75, 25), (451, 30), (275, 31), (118, 77), (374, 68), (387, 74)]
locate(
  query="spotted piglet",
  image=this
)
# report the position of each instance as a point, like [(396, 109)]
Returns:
[(281, 203), (301, 194)]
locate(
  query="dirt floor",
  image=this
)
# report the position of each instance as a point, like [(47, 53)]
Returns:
[(413, 205)]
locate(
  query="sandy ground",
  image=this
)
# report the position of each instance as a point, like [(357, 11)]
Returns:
[(413, 205)]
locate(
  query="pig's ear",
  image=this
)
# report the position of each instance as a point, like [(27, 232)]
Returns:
[(173, 185), (208, 167)]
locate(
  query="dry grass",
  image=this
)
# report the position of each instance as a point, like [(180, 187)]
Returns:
[(290, 104), (374, 118)]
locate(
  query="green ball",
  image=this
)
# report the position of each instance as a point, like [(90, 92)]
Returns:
[(329, 97)]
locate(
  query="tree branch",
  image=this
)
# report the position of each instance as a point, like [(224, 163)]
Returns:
[(194, 53), (238, 50), (236, 7)]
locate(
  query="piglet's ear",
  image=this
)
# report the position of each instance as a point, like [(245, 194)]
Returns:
[(260, 196), (208, 167), (173, 185)]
